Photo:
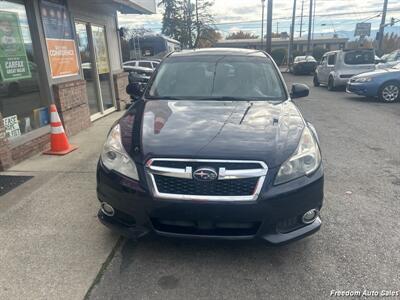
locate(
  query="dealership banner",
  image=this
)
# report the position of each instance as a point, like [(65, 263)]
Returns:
[(13, 59), (59, 38)]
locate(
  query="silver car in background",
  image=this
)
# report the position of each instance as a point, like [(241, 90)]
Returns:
[(337, 67), (390, 60)]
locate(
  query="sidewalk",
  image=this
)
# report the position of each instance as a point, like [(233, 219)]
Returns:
[(51, 244)]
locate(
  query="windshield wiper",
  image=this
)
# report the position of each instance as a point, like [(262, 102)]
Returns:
[(165, 98), (226, 98)]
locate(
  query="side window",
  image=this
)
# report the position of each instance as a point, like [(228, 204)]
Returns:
[(332, 59), (145, 64), (323, 60)]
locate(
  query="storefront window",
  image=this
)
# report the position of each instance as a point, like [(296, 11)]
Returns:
[(21, 104)]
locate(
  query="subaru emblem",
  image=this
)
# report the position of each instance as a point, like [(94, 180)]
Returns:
[(205, 174)]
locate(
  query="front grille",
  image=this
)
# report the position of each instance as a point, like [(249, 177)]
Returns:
[(346, 76), (196, 164), (208, 228), (231, 180), (181, 186)]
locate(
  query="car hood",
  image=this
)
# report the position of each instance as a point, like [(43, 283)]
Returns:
[(377, 72), (241, 130)]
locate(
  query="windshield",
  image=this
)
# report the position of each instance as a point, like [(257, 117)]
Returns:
[(218, 77), (360, 57)]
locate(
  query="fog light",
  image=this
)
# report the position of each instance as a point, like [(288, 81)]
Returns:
[(310, 216), (107, 209)]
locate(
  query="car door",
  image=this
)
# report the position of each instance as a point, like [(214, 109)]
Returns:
[(330, 65), (321, 71)]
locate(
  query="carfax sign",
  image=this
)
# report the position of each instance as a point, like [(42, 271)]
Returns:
[(13, 59)]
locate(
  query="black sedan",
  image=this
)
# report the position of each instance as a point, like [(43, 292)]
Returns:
[(214, 148), (303, 65)]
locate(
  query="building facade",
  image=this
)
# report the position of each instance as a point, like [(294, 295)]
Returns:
[(65, 52)]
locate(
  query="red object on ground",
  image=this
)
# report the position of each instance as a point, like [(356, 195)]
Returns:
[(59, 140)]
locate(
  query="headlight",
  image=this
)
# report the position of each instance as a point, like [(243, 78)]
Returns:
[(114, 156), (305, 160), (363, 79)]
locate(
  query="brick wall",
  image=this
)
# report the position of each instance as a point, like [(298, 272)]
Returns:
[(72, 104), (30, 148), (10, 155), (120, 83), (5, 155)]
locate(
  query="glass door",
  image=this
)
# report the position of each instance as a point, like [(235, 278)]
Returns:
[(103, 65), (96, 67), (89, 74)]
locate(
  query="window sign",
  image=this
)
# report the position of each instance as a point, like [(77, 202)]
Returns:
[(101, 50), (11, 126), (59, 38), (13, 58)]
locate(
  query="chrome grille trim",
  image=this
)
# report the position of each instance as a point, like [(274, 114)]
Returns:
[(223, 174)]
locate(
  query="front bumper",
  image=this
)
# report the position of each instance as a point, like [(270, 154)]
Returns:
[(275, 217), (361, 89)]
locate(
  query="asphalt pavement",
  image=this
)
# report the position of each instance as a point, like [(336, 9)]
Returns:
[(357, 248)]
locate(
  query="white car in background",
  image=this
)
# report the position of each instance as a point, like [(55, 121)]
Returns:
[(150, 64), (390, 60)]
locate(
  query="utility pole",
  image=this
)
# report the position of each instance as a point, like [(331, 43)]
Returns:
[(310, 28), (189, 24), (262, 24), (277, 28), (290, 53), (313, 23), (269, 27), (383, 23), (301, 19)]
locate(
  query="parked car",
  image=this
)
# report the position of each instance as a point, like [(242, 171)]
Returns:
[(337, 67), (150, 64), (390, 60), (383, 84), (214, 148), (138, 79), (139, 74), (303, 65)]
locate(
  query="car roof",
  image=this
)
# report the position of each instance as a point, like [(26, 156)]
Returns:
[(138, 68), (141, 60), (220, 52)]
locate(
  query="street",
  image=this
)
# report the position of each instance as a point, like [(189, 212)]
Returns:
[(356, 249)]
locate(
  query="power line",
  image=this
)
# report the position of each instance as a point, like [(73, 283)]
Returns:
[(306, 16)]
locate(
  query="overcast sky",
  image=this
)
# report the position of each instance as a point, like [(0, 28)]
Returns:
[(234, 15)]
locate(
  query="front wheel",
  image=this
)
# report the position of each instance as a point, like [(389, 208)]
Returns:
[(331, 84), (389, 92), (316, 81)]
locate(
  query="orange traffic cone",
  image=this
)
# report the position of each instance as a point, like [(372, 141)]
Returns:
[(59, 140)]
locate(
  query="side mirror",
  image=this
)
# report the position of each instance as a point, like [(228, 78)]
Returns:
[(135, 89), (299, 90)]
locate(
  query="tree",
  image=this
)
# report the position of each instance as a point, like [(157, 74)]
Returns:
[(208, 37), (279, 55), (172, 18), (187, 20), (241, 35), (204, 21), (318, 52)]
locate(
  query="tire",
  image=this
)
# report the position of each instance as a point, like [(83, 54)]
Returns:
[(316, 81), (331, 84), (389, 92)]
